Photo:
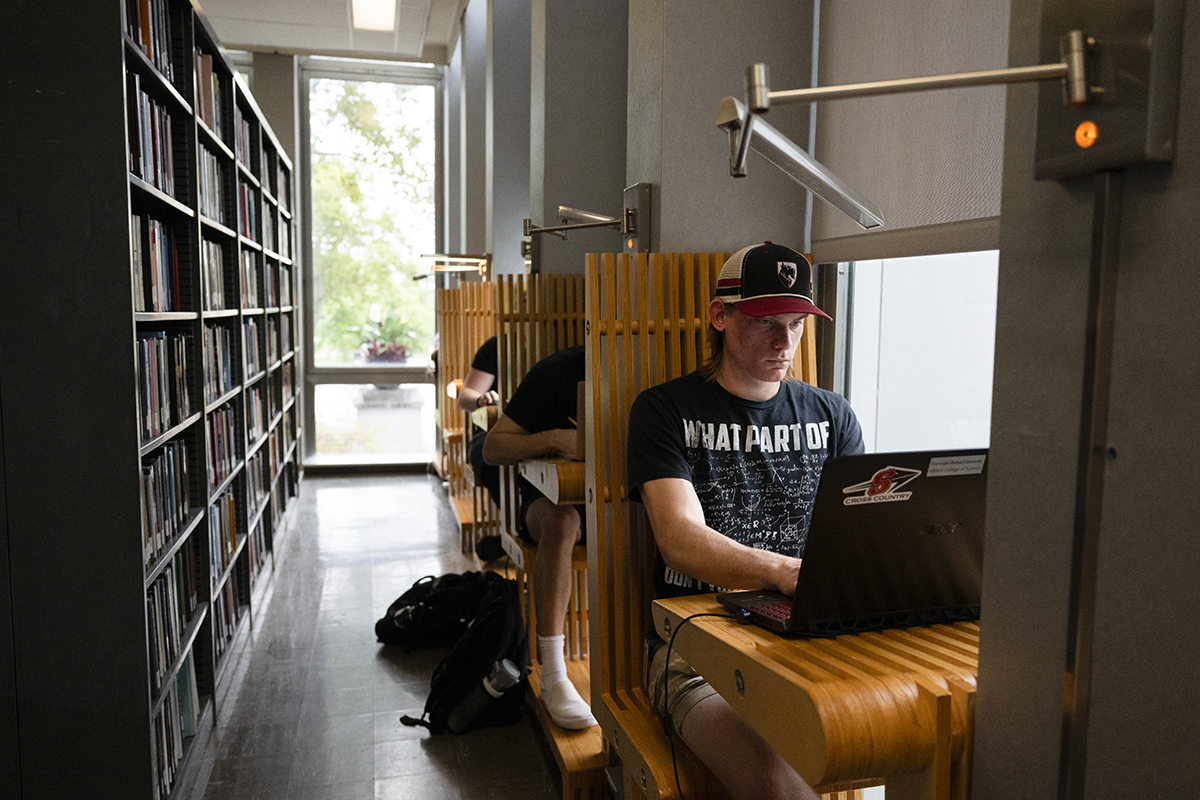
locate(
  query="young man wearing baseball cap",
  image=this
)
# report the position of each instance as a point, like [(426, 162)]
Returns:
[(727, 460)]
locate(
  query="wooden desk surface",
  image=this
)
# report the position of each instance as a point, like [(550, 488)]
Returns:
[(894, 704), (485, 417), (560, 479)]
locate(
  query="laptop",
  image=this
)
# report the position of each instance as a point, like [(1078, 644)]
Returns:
[(896, 539)]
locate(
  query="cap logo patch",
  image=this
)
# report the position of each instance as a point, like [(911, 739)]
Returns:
[(787, 272)]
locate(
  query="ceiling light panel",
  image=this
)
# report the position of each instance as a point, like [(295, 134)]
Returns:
[(374, 15)]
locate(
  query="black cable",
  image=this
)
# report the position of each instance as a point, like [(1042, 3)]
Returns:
[(668, 720)]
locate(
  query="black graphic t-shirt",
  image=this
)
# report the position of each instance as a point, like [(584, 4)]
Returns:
[(754, 464), (487, 358), (547, 397)]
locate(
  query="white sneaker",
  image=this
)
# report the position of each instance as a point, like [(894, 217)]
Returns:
[(566, 707)]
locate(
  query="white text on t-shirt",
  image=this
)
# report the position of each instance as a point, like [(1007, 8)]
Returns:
[(769, 438)]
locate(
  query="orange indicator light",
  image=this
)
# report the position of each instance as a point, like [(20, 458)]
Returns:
[(1086, 134)]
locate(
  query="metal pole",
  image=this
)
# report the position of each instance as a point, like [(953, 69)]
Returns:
[(1094, 453), (530, 229), (1039, 72), (566, 213)]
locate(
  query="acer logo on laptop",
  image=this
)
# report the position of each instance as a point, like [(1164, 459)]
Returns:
[(884, 487), (942, 529)]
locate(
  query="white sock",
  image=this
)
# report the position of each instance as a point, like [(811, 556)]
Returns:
[(554, 663), (560, 697)]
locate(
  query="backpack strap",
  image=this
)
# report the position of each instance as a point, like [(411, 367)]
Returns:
[(414, 722)]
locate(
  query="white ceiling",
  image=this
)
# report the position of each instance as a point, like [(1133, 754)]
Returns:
[(424, 30)]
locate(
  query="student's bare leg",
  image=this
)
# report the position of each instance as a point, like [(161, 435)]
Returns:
[(741, 759), (556, 529)]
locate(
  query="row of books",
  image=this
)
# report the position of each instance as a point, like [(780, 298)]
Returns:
[(208, 93), (223, 445), (247, 211), (170, 604), (219, 373), (288, 383), (151, 151), (222, 534), (166, 505), (155, 265), (163, 376), (275, 452), (258, 479), (226, 614), (285, 287), (149, 25), (278, 503), (254, 363), (174, 723), (285, 329), (241, 136), (272, 340), (289, 429), (268, 241), (212, 264), (270, 288), (255, 413), (212, 186), (283, 188), (256, 550), (273, 397), (249, 277), (284, 249)]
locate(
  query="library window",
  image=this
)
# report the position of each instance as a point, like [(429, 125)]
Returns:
[(372, 167), (919, 354)]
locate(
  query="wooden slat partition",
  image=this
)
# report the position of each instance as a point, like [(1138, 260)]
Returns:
[(466, 319), (535, 316), (648, 323)]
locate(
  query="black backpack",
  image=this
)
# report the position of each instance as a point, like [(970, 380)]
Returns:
[(435, 612), (496, 632)]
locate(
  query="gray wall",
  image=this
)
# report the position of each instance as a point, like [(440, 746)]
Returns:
[(454, 153), (508, 200), (1143, 737), (683, 58), (577, 135), (927, 159), (276, 89), (475, 125)]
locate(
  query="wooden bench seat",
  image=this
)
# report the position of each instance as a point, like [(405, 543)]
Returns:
[(536, 316)]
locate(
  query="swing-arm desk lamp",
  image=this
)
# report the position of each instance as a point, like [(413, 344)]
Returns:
[(747, 130)]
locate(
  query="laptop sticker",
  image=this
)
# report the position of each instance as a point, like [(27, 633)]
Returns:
[(883, 487), (956, 465)]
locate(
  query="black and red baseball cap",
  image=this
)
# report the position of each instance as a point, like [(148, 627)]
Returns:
[(766, 279)]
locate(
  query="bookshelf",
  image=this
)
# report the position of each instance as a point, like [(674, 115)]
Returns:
[(148, 352)]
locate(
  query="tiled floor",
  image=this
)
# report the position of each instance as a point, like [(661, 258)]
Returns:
[(315, 709)]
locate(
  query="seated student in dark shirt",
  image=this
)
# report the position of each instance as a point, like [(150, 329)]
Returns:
[(538, 422), (727, 460)]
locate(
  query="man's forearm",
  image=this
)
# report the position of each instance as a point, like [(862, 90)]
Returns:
[(690, 546), (706, 555), (502, 448)]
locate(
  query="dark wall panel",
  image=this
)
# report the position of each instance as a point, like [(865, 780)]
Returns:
[(1142, 737)]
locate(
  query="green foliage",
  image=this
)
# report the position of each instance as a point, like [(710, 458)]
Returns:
[(372, 196)]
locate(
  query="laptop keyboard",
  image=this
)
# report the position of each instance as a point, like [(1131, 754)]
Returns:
[(775, 609)]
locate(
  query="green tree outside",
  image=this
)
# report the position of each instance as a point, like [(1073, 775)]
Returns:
[(373, 215)]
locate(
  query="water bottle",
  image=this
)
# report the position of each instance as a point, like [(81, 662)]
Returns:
[(503, 676)]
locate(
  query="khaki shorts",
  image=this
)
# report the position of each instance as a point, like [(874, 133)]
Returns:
[(684, 687)]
